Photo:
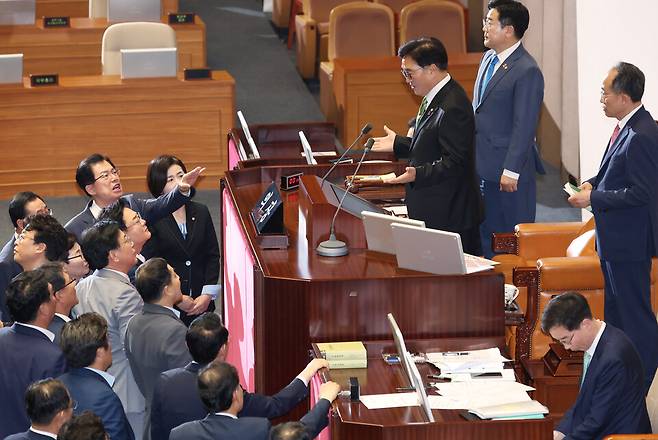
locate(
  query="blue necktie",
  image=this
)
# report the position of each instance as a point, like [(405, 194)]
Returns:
[(487, 76)]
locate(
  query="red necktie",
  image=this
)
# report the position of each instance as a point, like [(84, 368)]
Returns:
[(614, 136)]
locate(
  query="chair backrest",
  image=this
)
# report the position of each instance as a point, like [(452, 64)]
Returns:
[(97, 8), (652, 404), (361, 29), (319, 10), (434, 18), (136, 35), (395, 5)]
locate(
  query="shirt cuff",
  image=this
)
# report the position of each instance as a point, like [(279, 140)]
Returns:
[(302, 379), (212, 290), (511, 174)]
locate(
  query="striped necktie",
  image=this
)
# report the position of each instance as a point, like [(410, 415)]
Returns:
[(586, 360), (421, 112), (487, 76)]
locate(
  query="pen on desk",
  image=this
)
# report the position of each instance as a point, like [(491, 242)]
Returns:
[(455, 353), (437, 377)]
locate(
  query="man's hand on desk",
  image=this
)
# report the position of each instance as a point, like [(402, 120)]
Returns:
[(408, 176), (384, 143), (313, 367), (329, 390)]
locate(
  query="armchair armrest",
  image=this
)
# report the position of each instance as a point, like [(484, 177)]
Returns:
[(570, 273), (632, 437), (307, 45), (537, 240)]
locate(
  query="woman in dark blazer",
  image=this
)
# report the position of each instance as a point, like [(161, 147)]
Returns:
[(186, 238)]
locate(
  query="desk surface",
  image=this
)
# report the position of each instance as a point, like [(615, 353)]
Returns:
[(77, 50), (80, 8)]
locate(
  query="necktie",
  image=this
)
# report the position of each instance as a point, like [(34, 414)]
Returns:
[(421, 112), (615, 135), (586, 359), (487, 76)]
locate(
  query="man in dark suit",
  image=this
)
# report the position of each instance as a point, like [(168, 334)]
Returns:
[(442, 187), (155, 338), (507, 98), (222, 395), (64, 295), (49, 406), (23, 205), (97, 176), (26, 348), (88, 354), (612, 396), (207, 342), (624, 200)]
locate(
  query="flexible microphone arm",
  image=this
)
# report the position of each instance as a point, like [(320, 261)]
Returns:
[(364, 131)]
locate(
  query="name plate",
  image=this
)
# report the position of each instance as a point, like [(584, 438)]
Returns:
[(56, 22), (267, 214), (189, 74), (175, 18), (50, 79)]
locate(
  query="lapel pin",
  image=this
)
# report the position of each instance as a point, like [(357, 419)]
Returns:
[(505, 66), (193, 219)]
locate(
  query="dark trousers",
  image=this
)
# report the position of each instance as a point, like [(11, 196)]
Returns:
[(504, 210), (471, 241), (628, 307)]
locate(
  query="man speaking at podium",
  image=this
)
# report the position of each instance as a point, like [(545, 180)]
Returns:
[(441, 183)]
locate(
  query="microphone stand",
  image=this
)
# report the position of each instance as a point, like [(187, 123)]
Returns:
[(365, 130)]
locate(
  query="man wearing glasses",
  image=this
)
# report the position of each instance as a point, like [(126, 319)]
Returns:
[(97, 176), (612, 394), (507, 98), (64, 295), (23, 205)]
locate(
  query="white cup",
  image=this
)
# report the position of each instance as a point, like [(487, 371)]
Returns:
[(511, 292)]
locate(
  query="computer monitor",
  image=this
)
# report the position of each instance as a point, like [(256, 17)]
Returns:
[(354, 204), (149, 63), (14, 12), (133, 10), (410, 369), (11, 68), (247, 134), (306, 146), (379, 235)]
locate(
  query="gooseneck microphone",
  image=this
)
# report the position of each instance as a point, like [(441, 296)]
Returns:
[(364, 131), (334, 247)]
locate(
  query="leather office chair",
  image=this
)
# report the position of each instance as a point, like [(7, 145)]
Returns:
[(135, 35), (356, 30), (97, 8), (311, 34), (435, 18)]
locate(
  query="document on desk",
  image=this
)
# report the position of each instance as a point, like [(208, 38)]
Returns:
[(507, 374), (465, 395), (393, 400), (469, 361)]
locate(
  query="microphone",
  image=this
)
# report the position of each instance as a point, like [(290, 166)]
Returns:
[(364, 131), (334, 247)]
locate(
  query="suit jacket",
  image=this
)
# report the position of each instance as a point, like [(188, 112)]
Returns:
[(28, 435), (180, 385), (93, 393), (246, 428), (56, 326), (195, 258), (625, 193), (26, 355), (8, 270), (7, 252), (446, 192), (151, 210), (507, 115), (108, 293), (612, 397)]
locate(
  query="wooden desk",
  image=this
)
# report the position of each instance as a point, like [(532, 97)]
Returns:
[(557, 393), (80, 8), (77, 50), (46, 131), (353, 420), (373, 90), (277, 302)]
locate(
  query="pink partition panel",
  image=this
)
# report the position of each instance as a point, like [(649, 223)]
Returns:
[(315, 396), (238, 294), (233, 156)]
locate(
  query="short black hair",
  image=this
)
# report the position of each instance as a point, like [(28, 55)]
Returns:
[(114, 212), (151, 279), (84, 175), (217, 382), (17, 205), (49, 231), (54, 273), (44, 399), (205, 337), (425, 51), (629, 81), (25, 294), (97, 242), (156, 173), (71, 240), (512, 13), (86, 426), (290, 431), (567, 310), (82, 337)]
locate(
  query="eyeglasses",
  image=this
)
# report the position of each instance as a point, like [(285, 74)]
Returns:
[(408, 73), (136, 220), (106, 174), (605, 94), (45, 211), (68, 259), (568, 341), (73, 404), (23, 236), (73, 280)]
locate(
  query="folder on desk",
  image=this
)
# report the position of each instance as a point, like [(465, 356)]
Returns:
[(524, 409)]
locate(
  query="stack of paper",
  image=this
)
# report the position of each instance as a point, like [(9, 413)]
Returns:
[(475, 361), (344, 354), (529, 409), (466, 395)]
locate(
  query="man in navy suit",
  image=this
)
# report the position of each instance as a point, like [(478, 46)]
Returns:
[(624, 200), (64, 295), (507, 98), (206, 340), (97, 176), (612, 396), (222, 395), (49, 406), (23, 205), (86, 347), (26, 348)]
